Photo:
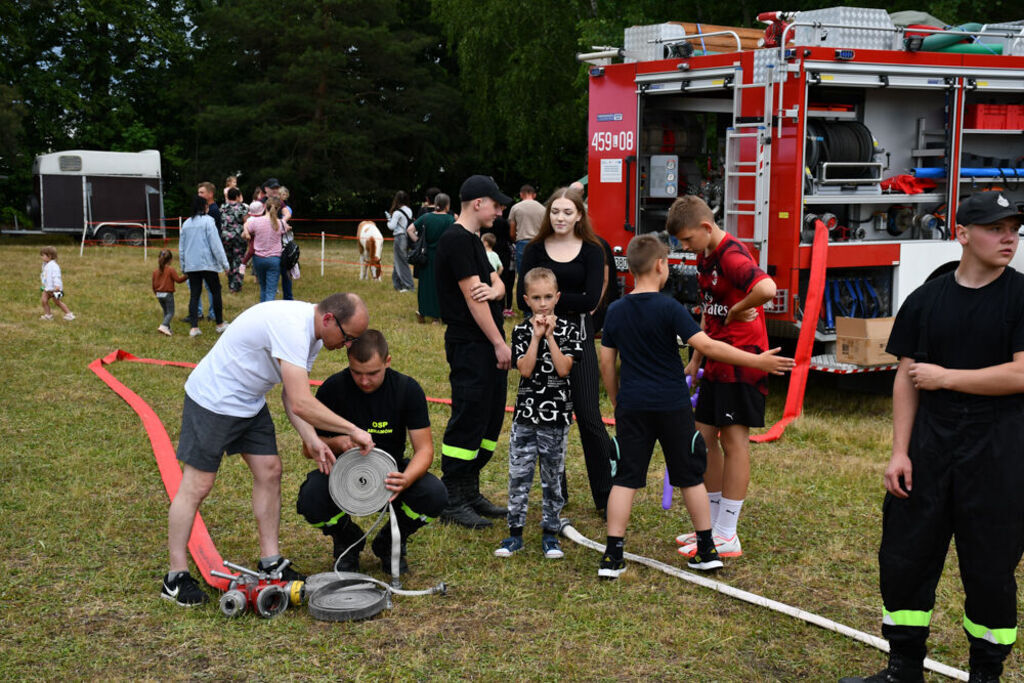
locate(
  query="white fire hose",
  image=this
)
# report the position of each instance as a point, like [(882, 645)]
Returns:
[(575, 536), (356, 485)]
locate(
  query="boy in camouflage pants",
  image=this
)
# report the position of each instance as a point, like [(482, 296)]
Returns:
[(543, 349)]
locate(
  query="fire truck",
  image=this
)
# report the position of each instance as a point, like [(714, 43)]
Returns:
[(833, 115)]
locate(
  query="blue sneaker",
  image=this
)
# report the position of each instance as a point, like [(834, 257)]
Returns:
[(551, 546), (510, 546)]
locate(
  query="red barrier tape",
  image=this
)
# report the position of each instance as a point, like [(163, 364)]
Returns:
[(805, 343)]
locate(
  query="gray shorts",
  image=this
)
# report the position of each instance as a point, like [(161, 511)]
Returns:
[(206, 436)]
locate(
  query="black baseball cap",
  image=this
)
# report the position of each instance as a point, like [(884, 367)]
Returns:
[(477, 186), (271, 183), (985, 208)]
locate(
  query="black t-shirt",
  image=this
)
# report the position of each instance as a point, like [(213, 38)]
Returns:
[(579, 281), (213, 211), (399, 404), (461, 254), (961, 328), (643, 327), (544, 398)]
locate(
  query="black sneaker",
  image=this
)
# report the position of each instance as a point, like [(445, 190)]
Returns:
[(706, 561), (611, 568), (287, 574), (900, 670), (349, 561), (184, 591)]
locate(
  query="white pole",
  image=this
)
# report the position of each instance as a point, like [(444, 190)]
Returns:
[(576, 537), (85, 214), (322, 242), (145, 240)]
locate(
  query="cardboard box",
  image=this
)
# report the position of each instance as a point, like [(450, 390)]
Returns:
[(862, 341)]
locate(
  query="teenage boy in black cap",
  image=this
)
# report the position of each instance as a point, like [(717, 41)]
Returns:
[(470, 294), (956, 468)]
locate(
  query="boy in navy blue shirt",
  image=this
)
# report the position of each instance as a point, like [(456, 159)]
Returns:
[(652, 402)]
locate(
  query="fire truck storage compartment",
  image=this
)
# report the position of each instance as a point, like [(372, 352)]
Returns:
[(992, 154), (857, 136), (851, 293), (681, 151)]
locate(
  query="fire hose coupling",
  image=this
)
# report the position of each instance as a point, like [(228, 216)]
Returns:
[(265, 593)]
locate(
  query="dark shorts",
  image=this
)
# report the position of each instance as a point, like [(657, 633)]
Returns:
[(206, 436), (684, 449), (723, 404)]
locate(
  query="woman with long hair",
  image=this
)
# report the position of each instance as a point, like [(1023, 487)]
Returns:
[(566, 245), (399, 220), (264, 229), (202, 257), (430, 227)]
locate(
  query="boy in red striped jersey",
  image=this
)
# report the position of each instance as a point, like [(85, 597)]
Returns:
[(733, 290)]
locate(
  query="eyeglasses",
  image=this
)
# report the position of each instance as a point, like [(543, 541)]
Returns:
[(346, 337)]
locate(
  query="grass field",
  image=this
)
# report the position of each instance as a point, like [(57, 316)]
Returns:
[(83, 527)]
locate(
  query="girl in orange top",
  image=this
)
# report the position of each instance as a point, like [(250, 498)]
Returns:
[(164, 278)]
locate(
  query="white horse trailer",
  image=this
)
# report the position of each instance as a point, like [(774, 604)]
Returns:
[(108, 196)]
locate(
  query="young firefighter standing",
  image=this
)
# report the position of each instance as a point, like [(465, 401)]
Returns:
[(733, 290), (652, 401), (470, 293), (956, 469)]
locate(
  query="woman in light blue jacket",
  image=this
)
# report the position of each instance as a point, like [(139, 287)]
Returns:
[(202, 257)]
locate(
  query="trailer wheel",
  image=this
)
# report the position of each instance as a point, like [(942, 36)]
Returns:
[(135, 237), (107, 236)]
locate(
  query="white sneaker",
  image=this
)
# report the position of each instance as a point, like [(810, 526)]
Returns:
[(46, 316), (686, 539), (726, 547), (69, 316), (163, 329), (195, 332), (220, 328)]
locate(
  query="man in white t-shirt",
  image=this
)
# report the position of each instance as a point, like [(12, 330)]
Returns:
[(225, 410)]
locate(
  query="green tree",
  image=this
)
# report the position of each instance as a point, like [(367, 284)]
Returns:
[(520, 83), (344, 101), (87, 71)]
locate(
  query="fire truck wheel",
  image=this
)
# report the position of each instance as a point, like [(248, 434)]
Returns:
[(271, 601), (346, 601), (107, 236), (135, 237), (232, 603)]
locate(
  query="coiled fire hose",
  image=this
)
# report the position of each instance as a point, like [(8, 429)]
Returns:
[(356, 485)]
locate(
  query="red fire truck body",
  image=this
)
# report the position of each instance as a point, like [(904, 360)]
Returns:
[(774, 138)]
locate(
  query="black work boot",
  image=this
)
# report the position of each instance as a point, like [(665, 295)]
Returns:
[(479, 503), (985, 674), (900, 670), (381, 547), (458, 510), (342, 539)]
